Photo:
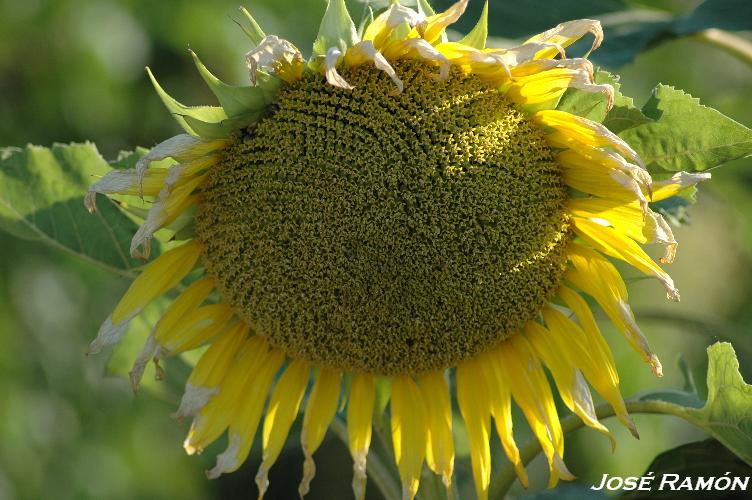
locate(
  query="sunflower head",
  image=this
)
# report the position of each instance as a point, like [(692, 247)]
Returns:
[(398, 208)]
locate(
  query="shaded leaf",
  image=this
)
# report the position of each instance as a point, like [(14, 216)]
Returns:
[(685, 134), (704, 459), (568, 491), (337, 29), (732, 15), (41, 198)]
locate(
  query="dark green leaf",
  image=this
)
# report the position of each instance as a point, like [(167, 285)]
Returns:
[(685, 134), (568, 491), (732, 15), (705, 459), (41, 198)]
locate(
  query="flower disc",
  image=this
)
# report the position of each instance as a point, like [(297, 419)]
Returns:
[(370, 231)]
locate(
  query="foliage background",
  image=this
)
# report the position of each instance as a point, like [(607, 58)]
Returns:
[(72, 70)]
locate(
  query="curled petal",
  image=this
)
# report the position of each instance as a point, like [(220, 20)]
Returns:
[(436, 24), (333, 55), (380, 31), (276, 56), (565, 34), (419, 49), (527, 52), (125, 182), (366, 52)]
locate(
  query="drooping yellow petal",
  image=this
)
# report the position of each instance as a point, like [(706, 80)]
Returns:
[(677, 183), (533, 395), (576, 132), (364, 52), (359, 416), (197, 327), (160, 275), (217, 414), (319, 412), (126, 182), (488, 66), (210, 370), (473, 400), (192, 297), (564, 362), (174, 198), (586, 349), (247, 413), (409, 433), (546, 81), (500, 396), (417, 48), (604, 174), (440, 449), (565, 34), (283, 408), (436, 24), (616, 244), (629, 219), (182, 148), (596, 276)]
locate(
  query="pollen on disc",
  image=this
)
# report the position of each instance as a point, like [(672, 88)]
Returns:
[(385, 233)]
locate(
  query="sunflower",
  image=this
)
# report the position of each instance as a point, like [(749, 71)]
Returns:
[(398, 214)]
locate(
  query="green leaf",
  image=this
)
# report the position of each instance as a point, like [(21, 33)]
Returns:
[(236, 101), (478, 36), (255, 33), (205, 113), (41, 198), (727, 413), (685, 134), (337, 30), (707, 458), (592, 105), (224, 128)]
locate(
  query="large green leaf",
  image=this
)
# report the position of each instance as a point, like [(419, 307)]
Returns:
[(591, 105), (705, 459), (686, 135), (727, 413), (41, 198), (732, 15)]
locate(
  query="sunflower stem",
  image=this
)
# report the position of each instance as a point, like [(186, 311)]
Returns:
[(503, 481), (728, 42), (378, 472)]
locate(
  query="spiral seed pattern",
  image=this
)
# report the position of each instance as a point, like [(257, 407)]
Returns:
[(384, 233)]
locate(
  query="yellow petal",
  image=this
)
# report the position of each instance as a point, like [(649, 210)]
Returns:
[(283, 408), (382, 29), (319, 412), (436, 24), (246, 413), (677, 183), (563, 357), (214, 418), (417, 48), (533, 395), (160, 275), (616, 244), (359, 416), (187, 301), (596, 276), (440, 449), (571, 131), (210, 370), (590, 355), (473, 400), (409, 433), (565, 34), (643, 226), (501, 408)]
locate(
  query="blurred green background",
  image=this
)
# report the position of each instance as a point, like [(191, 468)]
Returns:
[(72, 70)]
